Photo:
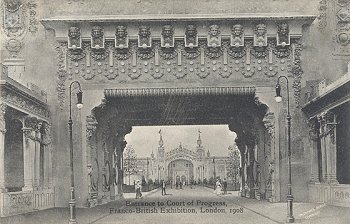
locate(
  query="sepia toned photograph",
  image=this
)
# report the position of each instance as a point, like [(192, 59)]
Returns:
[(174, 111)]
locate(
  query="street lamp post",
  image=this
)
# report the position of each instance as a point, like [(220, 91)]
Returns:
[(290, 218), (72, 202)]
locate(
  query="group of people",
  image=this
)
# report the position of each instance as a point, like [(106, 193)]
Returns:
[(220, 187), (138, 188)]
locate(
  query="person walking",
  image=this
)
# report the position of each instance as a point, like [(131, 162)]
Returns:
[(163, 187), (218, 187), (138, 189), (225, 186)]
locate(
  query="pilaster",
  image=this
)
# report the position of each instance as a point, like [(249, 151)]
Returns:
[(28, 159), (314, 138), (3, 108)]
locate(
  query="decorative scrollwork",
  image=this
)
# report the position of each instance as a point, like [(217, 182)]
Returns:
[(236, 52), (297, 72), (122, 54), (259, 52), (99, 54), (213, 52), (76, 55), (168, 53)]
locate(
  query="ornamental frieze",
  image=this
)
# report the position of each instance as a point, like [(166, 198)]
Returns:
[(25, 104), (166, 57), (178, 62), (342, 19)]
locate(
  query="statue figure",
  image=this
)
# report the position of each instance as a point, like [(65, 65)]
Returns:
[(167, 36), (121, 37), (260, 37), (214, 39), (237, 37), (74, 40), (144, 37), (283, 37), (191, 39), (97, 38)]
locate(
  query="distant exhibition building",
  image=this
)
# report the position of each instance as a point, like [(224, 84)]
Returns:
[(182, 164)]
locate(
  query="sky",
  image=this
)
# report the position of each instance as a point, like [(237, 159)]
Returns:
[(216, 138)]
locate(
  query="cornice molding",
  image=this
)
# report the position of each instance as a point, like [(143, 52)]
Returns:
[(192, 91)]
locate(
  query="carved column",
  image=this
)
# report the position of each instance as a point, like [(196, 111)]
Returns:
[(30, 125), (46, 141), (91, 124), (3, 108), (322, 122), (28, 158), (330, 140), (37, 155), (314, 137)]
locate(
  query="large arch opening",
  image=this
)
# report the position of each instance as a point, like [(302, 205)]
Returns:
[(237, 107)]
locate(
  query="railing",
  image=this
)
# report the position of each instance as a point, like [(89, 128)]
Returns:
[(13, 203), (334, 194)]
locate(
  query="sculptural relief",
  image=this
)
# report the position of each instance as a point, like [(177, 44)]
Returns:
[(144, 40), (167, 38), (237, 36), (191, 37), (214, 38), (283, 37), (97, 38), (74, 38), (121, 37), (260, 37)]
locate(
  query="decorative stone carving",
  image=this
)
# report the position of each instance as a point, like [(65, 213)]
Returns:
[(3, 108), (167, 38), (91, 124), (97, 38), (144, 40), (322, 17), (20, 200), (283, 37), (14, 22), (297, 72), (61, 74), (19, 16), (33, 22), (14, 46), (214, 38), (342, 34), (327, 125), (74, 38), (191, 37), (179, 61), (260, 37), (314, 129), (237, 36), (46, 131), (121, 37), (269, 123), (31, 107)]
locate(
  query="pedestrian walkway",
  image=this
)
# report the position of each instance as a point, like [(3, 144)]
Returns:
[(189, 206)]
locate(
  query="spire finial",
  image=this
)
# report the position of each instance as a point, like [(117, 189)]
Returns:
[(199, 141), (160, 138)]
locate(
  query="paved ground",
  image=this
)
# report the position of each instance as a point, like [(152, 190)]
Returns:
[(190, 206)]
